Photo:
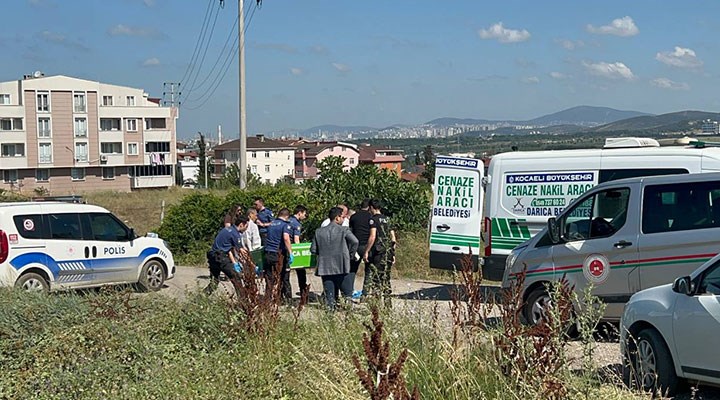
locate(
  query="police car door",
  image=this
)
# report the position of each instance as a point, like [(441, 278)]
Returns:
[(599, 244), (69, 251), (456, 215), (114, 258)]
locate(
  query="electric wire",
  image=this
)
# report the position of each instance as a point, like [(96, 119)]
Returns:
[(226, 65), (191, 64), (204, 54)]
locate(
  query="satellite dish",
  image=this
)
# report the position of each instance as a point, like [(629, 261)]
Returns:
[(37, 74)]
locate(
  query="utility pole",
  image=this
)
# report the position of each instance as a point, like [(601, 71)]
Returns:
[(171, 93), (242, 159)]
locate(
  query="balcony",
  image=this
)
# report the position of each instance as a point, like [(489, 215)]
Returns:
[(165, 159), (147, 182)]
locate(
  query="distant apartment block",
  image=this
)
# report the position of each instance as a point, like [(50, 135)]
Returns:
[(710, 127), (269, 159), (382, 157), (310, 153), (72, 135)]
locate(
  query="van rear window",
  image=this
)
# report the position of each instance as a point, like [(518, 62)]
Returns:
[(30, 226), (608, 175)]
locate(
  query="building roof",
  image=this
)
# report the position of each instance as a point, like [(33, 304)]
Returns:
[(255, 143), (374, 154), (314, 148)]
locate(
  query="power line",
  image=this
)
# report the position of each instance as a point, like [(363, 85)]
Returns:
[(197, 43), (226, 65), (220, 56), (207, 46)]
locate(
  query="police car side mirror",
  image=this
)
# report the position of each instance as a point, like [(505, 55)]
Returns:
[(682, 285), (132, 235), (553, 230)]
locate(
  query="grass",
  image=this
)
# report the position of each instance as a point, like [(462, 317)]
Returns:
[(124, 346)]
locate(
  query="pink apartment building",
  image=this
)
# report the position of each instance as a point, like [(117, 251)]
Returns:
[(72, 135), (309, 154)]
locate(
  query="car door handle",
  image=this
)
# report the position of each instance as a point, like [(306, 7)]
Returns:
[(622, 244), (443, 227), (87, 252), (94, 251)]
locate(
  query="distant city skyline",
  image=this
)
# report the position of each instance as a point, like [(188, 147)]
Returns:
[(380, 63)]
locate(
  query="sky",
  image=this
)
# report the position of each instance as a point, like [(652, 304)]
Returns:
[(378, 63)]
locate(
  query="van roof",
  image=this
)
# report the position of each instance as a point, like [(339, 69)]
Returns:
[(630, 151), (49, 206)]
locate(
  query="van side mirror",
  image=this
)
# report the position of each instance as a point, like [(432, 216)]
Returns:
[(553, 230), (682, 285)]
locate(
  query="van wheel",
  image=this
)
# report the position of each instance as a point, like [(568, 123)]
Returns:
[(537, 304), (652, 364), (152, 277), (32, 282)]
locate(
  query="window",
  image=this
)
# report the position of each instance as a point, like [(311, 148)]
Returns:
[(157, 147), (267, 168), (109, 124), (253, 169), (132, 149), (131, 125), (710, 282), (44, 153), (43, 102), (81, 153), (681, 207), (77, 174), (352, 161), (599, 215), (108, 172), (79, 105), (267, 154), (10, 176), (107, 100), (11, 124), (253, 155), (151, 170), (4, 99), (111, 148), (30, 226), (44, 127), (107, 228), (607, 175), (80, 127), (42, 175), (155, 123), (130, 100), (65, 226), (13, 150)]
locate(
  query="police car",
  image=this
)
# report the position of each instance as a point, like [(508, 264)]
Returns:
[(56, 246)]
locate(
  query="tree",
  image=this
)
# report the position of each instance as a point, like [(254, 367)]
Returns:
[(428, 158), (232, 176), (203, 160)]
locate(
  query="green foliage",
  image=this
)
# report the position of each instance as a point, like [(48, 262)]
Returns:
[(231, 178), (190, 225)]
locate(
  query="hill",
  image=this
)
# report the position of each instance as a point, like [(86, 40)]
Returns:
[(586, 116), (677, 121), (337, 129)]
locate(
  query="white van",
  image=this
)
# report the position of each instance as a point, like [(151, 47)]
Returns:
[(524, 189), (456, 212), (622, 237), (54, 246)]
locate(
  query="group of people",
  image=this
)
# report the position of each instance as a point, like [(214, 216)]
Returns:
[(341, 245)]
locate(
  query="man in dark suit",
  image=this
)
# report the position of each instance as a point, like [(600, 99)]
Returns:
[(333, 245)]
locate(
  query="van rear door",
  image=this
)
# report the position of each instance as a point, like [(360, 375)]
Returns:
[(456, 215)]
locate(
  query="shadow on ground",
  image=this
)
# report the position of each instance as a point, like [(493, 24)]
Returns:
[(444, 292)]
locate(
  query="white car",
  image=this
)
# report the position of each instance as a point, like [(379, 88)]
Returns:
[(672, 332)]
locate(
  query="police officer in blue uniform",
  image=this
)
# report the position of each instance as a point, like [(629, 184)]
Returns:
[(277, 245), (296, 224), (264, 218), (223, 255)]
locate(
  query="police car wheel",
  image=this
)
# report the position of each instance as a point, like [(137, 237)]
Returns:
[(32, 282), (152, 276)]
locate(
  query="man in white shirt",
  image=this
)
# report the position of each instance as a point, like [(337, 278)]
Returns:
[(344, 215), (252, 234)]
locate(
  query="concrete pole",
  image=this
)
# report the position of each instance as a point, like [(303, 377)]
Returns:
[(242, 157)]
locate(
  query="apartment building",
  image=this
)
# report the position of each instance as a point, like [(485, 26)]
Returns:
[(271, 160), (383, 158), (70, 135), (310, 153)]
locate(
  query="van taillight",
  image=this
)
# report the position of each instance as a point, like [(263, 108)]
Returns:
[(4, 247), (488, 237)]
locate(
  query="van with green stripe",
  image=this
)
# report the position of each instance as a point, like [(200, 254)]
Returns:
[(524, 189), (621, 237), (456, 213)]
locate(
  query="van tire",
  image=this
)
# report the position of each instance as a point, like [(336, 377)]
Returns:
[(32, 282), (537, 300), (152, 277)]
